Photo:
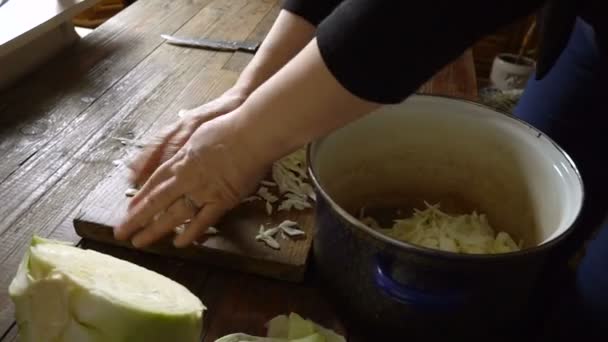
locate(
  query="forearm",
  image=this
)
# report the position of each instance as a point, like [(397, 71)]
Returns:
[(383, 50), (355, 63), (288, 35), (300, 103)]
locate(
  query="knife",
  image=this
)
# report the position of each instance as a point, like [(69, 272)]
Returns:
[(217, 45)]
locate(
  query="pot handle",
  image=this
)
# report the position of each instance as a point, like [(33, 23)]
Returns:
[(423, 300)]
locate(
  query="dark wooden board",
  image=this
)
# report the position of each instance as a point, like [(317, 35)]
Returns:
[(234, 247)]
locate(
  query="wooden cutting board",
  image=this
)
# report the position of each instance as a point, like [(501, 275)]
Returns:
[(234, 247)]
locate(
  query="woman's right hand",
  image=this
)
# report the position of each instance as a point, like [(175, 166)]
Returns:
[(165, 144)]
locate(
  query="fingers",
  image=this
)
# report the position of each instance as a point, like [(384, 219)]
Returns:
[(161, 174), (177, 142), (154, 202), (177, 213), (209, 215), (166, 171), (146, 163)]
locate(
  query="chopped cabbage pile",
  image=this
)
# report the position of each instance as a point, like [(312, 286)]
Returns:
[(432, 228), (290, 184), (292, 328), (66, 294)]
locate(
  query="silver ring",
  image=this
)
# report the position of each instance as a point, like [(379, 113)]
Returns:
[(190, 202)]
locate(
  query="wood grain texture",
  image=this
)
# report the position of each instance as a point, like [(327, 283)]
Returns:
[(38, 50), (72, 147), (37, 110), (239, 60), (234, 248), (456, 79)]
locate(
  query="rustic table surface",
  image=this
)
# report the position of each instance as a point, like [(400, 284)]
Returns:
[(57, 130)]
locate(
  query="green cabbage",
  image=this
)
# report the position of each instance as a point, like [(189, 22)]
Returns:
[(240, 337), (66, 294), (292, 328)]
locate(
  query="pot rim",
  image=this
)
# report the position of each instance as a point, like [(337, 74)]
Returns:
[(430, 252)]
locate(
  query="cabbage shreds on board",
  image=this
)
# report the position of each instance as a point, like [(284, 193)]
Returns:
[(66, 294), (432, 228), (290, 182)]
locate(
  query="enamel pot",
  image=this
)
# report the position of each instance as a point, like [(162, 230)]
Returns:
[(467, 157)]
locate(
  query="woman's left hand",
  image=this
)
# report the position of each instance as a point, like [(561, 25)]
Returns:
[(208, 176), (164, 145)]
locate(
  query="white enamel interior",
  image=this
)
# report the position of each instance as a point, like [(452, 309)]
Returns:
[(442, 149)]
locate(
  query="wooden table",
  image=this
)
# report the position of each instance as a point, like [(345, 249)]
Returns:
[(57, 130)]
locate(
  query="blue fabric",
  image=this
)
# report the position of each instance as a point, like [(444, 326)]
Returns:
[(569, 105)]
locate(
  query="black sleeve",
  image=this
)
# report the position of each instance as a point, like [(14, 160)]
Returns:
[(314, 11), (383, 50)]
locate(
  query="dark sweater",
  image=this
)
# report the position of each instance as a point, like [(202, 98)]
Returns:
[(383, 50)]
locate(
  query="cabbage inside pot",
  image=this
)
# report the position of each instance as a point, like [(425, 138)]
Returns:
[(462, 233)]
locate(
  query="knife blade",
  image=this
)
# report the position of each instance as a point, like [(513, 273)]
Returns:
[(210, 44)]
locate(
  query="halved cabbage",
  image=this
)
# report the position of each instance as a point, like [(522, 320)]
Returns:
[(66, 294)]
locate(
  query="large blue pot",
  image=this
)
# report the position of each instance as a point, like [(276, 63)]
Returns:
[(457, 152)]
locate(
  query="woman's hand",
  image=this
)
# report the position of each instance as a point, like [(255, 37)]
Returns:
[(289, 34), (208, 176), (166, 144), (226, 157)]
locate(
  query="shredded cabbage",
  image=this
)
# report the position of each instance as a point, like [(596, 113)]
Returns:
[(432, 228)]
